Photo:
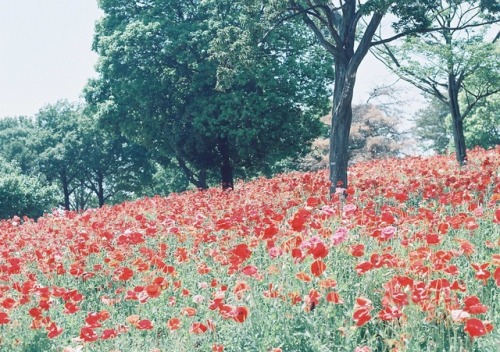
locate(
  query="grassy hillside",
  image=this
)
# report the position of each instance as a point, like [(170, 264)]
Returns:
[(410, 261)]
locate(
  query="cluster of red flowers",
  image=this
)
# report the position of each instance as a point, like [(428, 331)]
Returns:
[(415, 220)]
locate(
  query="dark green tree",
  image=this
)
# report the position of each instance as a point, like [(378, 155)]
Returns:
[(206, 85), (453, 61)]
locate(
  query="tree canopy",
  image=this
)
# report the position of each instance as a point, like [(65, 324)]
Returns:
[(205, 84)]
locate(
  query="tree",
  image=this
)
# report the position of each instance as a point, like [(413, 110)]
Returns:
[(482, 126), (22, 194), (83, 159), (431, 127), (112, 166), (16, 142), (346, 30), (374, 136), (453, 60), (203, 84), (58, 148)]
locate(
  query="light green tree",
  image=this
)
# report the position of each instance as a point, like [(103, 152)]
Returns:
[(452, 62)]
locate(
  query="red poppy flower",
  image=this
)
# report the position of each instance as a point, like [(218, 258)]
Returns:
[(88, 334), (475, 327), (217, 348), (334, 297), (124, 273), (303, 277), (198, 328), (70, 308), (174, 323), (240, 314), (4, 318), (318, 267), (144, 324), (357, 250), (153, 290), (53, 330), (496, 276), (481, 272), (474, 306)]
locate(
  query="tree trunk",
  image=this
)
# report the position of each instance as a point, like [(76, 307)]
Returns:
[(66, 191), (341, 125), (458, 126), (226, 169), (100, 190), (199, 181)]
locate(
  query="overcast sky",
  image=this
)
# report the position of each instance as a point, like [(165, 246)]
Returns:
[(45, 54)]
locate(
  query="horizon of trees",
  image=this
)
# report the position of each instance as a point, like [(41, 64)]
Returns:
[(197, 94)]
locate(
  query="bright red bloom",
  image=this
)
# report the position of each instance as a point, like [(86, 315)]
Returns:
[(53, 330), (362, 310), (4, 318), (476, 328), (318, 267), (109, 334), (217, 348), (481, 272), (144, 324), (88, 334), (124, 273), (389, 313), (240, 314), (473, 305), (358, 250), (496, 276), (334, 297), (303, 277)]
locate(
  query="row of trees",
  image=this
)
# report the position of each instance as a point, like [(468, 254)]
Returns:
[(63, 158), (218, 89), (187, 79)]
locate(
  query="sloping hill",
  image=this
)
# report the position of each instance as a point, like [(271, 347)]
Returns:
[(409, 261)]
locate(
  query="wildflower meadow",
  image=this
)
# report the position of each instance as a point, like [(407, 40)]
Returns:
[(408, 261)]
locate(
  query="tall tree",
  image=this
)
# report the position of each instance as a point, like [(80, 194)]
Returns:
[(203, 83), (347, 30), (57, 145), (453, 60)]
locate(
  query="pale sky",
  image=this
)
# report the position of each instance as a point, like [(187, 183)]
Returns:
[(46, 55), (45, 52)]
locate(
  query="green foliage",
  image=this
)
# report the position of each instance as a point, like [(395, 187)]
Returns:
[(482, 126), (21, 194), (16, 142), (204, 83), (433, 131)]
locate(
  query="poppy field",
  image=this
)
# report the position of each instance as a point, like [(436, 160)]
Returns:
[(408, 261)]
